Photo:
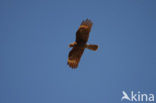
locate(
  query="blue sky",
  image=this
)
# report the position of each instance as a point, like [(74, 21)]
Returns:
[(34, 38)]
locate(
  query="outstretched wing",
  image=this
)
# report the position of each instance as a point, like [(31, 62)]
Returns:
[(82, 33), (75, 56)]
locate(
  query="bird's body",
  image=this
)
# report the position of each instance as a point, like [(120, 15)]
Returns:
[(80, 44)]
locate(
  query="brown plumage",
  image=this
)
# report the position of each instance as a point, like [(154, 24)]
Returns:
[(80, 44)]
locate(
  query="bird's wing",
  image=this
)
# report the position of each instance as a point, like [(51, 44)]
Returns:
[(82, 33), (87, 23), (75, 56)]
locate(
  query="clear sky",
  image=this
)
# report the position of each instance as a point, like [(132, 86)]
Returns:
[(34, 38)]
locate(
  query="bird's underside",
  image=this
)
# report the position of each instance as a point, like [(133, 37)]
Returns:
[(80, 44)]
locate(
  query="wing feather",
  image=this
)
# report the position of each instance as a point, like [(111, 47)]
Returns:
[(82, 33), (75, 56)]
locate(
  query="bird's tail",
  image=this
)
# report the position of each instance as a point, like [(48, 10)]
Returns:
[(92, 47)]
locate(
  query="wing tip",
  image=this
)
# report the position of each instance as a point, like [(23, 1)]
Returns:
[(87, 22), (72, 63)]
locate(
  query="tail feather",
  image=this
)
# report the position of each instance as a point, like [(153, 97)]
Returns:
[(92, 47)]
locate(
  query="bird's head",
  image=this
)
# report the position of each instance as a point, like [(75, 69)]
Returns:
[(72, 44)]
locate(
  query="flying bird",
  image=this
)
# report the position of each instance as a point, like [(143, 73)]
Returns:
[(80, 44)]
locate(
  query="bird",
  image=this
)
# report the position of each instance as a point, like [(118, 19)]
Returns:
[(80, 44)]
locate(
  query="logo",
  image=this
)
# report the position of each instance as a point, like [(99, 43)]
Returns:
[(137, 97)]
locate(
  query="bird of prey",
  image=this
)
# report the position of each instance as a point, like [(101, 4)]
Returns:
[(80, 44)]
